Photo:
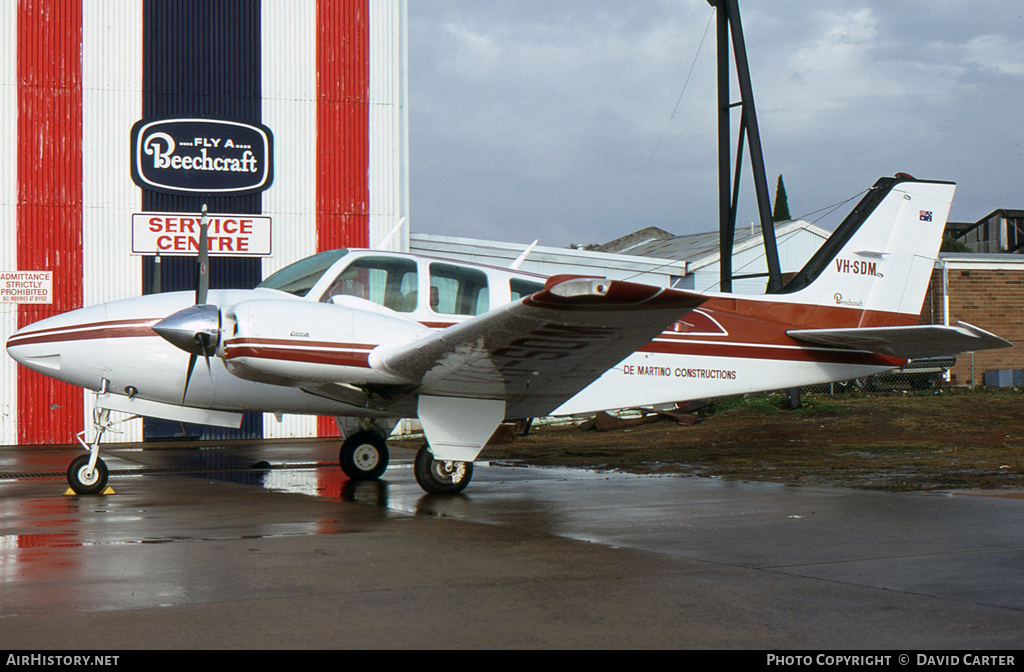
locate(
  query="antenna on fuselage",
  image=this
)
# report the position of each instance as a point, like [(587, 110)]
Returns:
[(387, 239), (522, 257)]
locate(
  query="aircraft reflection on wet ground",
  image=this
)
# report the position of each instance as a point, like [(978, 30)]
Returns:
[(273, 532)]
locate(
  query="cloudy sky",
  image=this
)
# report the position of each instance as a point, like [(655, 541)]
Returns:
[(553, 119)]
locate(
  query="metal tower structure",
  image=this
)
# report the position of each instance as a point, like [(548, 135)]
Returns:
[(729, 180)]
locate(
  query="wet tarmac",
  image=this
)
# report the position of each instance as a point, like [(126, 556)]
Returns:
[(199, 549)]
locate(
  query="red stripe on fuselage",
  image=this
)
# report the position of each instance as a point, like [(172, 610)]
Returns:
[(297, 343), (733, 313), (85, 332), (335, 354)]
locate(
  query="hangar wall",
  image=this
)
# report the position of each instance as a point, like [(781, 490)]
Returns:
[(325, 78)]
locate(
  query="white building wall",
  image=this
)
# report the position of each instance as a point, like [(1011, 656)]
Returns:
[(388, 117), (111, 103), (289, 109)]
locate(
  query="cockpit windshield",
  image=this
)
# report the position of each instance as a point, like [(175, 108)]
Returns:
[(299, 278)]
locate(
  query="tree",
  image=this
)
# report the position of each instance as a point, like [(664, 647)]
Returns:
[(780, 213), (950, 244)]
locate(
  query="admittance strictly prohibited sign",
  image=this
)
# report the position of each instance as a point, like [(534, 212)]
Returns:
[(26, 286)]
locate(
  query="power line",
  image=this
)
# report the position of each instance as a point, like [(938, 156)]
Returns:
[(663, 133)]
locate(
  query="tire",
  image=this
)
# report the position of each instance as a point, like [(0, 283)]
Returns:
[(87, 486), (364, 456), (441, 477)]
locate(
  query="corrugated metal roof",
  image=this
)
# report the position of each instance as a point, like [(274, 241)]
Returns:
[(1004, 212), (541, 258), (701, 249), (980, 260)]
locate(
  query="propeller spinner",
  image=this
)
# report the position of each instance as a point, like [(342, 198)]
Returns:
[(196, 329)]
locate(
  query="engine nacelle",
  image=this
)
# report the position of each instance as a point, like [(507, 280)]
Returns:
[(317, 343)]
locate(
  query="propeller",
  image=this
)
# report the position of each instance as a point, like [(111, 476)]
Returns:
[(196, 329), (203, 261)]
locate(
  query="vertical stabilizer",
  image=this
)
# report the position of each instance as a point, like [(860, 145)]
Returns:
[(879, 261)]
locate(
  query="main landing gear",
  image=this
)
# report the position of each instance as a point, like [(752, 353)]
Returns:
[(441, 477), (364, 456)]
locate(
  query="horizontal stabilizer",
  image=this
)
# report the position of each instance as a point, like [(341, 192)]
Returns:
[(909, 342)]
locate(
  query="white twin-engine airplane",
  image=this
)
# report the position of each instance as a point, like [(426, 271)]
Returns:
[(378, 336)]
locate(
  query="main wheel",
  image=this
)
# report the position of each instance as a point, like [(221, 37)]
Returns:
[(84, 482), (364, 456), (441, 477)]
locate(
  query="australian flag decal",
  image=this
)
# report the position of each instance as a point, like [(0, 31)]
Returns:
[(926, 215)]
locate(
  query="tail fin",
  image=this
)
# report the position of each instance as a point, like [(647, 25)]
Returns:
[(879, 262)]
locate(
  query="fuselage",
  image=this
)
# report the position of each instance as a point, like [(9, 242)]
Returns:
[(302, 342)]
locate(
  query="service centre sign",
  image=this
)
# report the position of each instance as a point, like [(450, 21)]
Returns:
[(206, 157), (172, 234), (26, 286)]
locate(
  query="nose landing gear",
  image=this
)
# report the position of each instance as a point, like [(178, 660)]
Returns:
[(88, 474)]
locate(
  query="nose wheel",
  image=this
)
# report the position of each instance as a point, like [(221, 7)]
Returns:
[(441, 477), (85, 479)]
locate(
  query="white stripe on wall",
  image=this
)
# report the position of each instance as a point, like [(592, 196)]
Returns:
[(8, 212), (111, 103), (388, 173), (289, 110)]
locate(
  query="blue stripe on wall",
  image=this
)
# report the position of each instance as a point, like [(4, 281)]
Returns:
[(201, 58)]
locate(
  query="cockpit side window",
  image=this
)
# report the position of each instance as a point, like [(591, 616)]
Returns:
[(521, 288), (388, 281), (457, 290), (298, 278)]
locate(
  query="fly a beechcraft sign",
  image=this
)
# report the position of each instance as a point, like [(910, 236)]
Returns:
[(201, 157)]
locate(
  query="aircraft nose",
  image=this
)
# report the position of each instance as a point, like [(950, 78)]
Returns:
[(61, 347), (34, 346)]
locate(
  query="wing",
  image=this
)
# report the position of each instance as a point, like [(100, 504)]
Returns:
[(537, 352), (909, 342)]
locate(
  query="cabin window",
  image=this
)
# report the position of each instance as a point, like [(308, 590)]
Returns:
[(456, 290), (298, 278), (521, 288), (388, 281)]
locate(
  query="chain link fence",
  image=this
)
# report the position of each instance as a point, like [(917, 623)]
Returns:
[(918, 375)]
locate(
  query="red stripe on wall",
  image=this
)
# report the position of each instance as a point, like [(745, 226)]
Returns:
[(49, 210), (343, 131)]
